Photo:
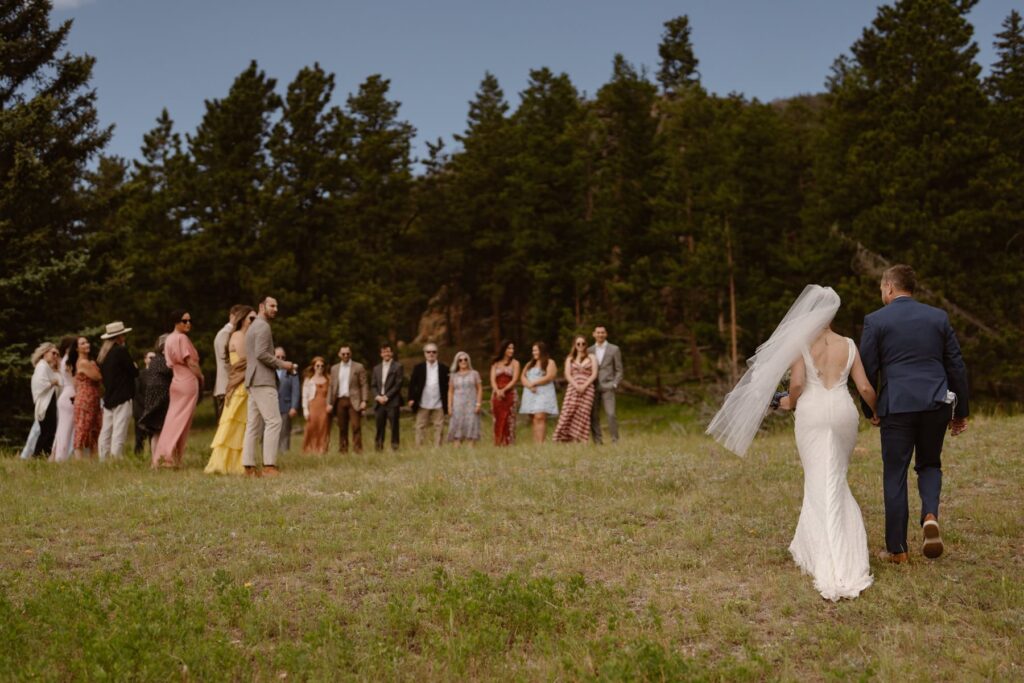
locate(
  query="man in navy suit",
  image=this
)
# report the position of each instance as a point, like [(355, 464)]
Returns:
[(912, 357)]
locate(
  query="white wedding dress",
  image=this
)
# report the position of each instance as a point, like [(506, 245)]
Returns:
[(830, 543)]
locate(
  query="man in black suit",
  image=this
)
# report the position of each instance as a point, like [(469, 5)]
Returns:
[(912, 357), (386, 387), (428, 395)]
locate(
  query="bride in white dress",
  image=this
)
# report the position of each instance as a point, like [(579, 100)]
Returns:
[(830, 542)]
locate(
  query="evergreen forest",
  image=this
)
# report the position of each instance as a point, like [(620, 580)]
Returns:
[(684, 221)]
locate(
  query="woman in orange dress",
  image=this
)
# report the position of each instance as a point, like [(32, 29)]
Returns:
[(314, 408), (183, 360), (88, 384)]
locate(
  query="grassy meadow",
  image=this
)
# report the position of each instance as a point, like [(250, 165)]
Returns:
[(660, 558)]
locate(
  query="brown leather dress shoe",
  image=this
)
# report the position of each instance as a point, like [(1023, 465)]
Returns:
[(271, 471), (932, 546), (895, 558), (252, 472)]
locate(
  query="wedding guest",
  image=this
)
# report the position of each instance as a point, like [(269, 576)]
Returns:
[(154, 394), (539, 398), (47, 383), (220, 357), (428, 396), (119, 373), (504, 375), (63, 442), (314, 408), (140, 434), (386, 386), (289, 400), (609, 376), (88, 416), (263, 416), (465, 396), (348, 394), (580, 373), (33, 433), (228, 442), (183, 360)]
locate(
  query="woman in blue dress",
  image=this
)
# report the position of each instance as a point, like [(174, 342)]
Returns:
[(539, 399)]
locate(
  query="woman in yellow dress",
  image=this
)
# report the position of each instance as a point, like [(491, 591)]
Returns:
[(227, 442)]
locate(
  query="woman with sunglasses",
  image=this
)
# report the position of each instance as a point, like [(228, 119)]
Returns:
[(314, 408), (226, 457), (580, 373), (183, 359), (465, 394)]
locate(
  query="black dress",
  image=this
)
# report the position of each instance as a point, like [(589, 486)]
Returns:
[(155, 385)]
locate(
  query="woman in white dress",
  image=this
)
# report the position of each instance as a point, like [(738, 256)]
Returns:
[(830, 542)]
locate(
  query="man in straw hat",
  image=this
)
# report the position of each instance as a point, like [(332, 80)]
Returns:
[(119, 373)]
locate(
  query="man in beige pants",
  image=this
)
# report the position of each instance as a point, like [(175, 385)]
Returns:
[(428, 395), (263, 417)]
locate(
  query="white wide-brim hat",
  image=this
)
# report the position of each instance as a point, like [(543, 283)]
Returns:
[(115, 329)]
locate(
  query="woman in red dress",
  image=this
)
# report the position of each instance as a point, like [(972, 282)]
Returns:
[(504, 375), (183, 360), (314, 408), (88, 383)]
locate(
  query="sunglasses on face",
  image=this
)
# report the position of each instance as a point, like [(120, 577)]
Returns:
[(186, 321), (430, 352)]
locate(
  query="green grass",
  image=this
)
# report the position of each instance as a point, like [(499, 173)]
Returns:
[(660, 558)]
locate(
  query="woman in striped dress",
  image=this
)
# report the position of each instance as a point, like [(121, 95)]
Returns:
[(580, 373)]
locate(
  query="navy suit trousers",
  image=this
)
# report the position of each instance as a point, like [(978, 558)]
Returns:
[(905, 435)]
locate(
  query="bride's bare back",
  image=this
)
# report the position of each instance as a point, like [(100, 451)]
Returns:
[(830, 353)]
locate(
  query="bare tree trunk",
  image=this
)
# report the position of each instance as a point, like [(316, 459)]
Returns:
[(496, 321), (733, 346)]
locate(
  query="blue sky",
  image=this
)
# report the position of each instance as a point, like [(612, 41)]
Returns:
[(159, 53)]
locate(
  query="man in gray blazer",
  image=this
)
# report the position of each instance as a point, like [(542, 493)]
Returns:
[(609, 376), (261, 381)]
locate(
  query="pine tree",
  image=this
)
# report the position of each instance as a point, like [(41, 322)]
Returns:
[(678, 69), (379, 209), (227, 202), (49, 133)]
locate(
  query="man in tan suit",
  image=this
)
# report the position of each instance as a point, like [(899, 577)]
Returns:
[(261, 381), (348, 392)]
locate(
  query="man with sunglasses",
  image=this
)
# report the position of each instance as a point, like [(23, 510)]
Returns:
[(348, 393), (428, 395), (263, 418)]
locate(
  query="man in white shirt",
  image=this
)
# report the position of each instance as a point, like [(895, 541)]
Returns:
[(386, 386), (349, 391), (428, 396), (609, 376)]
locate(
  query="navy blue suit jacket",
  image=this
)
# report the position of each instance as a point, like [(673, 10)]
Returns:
[(912, 357), (288, 396)]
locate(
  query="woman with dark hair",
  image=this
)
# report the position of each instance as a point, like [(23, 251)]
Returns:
[(155, 394), (88, 381), (580, 373), (314, 408), (539, 398), (183, 360), (63, 440), (504, 375), (226, 457)]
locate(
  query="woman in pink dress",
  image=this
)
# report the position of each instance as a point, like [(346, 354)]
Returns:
[(183, 360)]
